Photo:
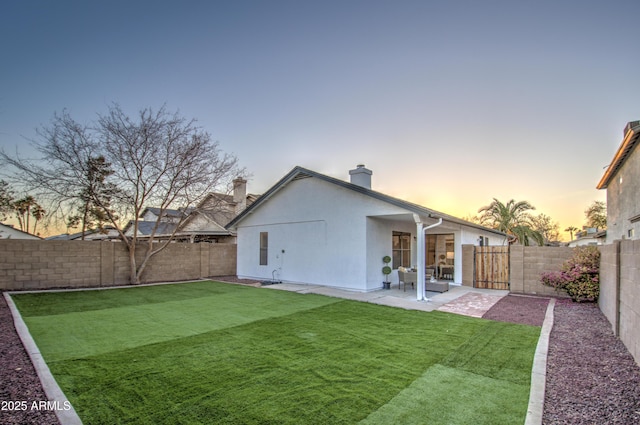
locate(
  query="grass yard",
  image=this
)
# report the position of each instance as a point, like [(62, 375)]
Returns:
[(215, 353)]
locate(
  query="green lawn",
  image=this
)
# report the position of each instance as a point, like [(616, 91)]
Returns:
[(215, 353)]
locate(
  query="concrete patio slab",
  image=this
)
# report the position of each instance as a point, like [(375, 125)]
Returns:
[(458, 299)]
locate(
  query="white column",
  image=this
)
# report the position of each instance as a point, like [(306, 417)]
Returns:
[(420, 238), (421, 257)]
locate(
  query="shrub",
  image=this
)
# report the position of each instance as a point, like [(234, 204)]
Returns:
[(579, 276)]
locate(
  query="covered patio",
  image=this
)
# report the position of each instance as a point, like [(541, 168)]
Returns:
[(426, 250)]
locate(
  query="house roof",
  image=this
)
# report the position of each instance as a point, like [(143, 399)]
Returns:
[(7, 228), (217, 209), (167, 212), (300, 173), (78, 235), (146, 227), (629, 142)]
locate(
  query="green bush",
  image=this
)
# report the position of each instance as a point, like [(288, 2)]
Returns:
[(579, 276)]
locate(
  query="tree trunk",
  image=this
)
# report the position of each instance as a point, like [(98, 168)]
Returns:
[(133, 272)]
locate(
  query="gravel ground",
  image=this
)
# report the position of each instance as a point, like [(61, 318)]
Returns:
[(18, 379), (591, 377)]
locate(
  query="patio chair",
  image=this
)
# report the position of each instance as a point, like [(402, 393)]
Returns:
[(406, 277), (429, 273)]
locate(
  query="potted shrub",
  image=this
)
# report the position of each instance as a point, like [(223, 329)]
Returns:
[(386, 271)]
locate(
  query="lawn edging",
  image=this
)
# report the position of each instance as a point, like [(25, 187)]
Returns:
[(539, 370), (66, 414)]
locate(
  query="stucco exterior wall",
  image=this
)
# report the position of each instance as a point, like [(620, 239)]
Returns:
[(623, 200), (325, 234), (26, 264), (323, 230)]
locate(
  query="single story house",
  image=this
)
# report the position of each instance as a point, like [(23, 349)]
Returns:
[(622, 182), (315, 229)]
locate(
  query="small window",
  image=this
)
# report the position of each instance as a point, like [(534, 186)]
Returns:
[(630, 233), (264, 248), (401, 246)]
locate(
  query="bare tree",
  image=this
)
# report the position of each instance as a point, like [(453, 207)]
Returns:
[(60, 175), (157, 159)]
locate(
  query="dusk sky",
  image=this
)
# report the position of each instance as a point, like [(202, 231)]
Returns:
[(450, 103)]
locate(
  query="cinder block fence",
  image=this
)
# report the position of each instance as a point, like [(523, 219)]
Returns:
[(27, 264), (620, 291)]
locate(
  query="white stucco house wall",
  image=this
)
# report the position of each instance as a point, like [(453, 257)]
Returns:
[(622, 182), (315, 229)]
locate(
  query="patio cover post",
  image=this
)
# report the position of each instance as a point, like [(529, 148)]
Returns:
[(420, 240), (421, 258)]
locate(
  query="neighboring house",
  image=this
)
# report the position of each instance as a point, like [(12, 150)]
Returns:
[(7, 231), (315, 229), (203, 223), (622, 181), (588, 236)]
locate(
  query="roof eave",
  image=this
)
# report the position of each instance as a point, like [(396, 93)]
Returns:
[(626, 147)]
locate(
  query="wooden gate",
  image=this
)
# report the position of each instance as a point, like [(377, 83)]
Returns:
[(491, 267)]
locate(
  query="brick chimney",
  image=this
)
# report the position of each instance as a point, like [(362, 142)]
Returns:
[(361, 176), (240, 194)]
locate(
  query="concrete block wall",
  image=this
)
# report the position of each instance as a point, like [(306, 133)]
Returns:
[(527, 263), (33, 264), (609, 301), (630, 296), (620, 291), (467, 265)]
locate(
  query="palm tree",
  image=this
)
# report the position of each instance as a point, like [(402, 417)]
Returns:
[(571, 229), (23, 210), (38, 213), (511, 218)]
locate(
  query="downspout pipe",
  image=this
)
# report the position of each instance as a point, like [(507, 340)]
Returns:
[(420, 233)]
